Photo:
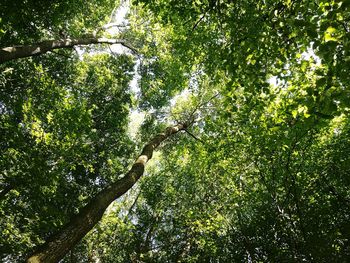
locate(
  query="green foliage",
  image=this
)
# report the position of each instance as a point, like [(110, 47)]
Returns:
[(63, 140), (30, 21)]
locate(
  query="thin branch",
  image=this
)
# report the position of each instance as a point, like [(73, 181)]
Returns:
[(189, 133), (122, 42), (133, 204), (203, 103), (113, 53), (108, 26), (198, 21)]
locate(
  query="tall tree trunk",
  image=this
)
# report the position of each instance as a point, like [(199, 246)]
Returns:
[(15, 52), (59, 245)]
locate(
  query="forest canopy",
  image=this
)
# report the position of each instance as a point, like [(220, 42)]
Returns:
[(242, 105)]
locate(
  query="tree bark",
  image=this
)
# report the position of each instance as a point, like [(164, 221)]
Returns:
[(62, 242), (15, 52)]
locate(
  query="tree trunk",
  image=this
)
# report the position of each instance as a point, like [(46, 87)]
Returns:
[(59, 245), (15, 52)]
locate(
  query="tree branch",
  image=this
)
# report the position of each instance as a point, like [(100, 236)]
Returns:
[(198, 21), (15, 52), (193, 136)]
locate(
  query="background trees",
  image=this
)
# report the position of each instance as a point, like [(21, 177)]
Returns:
[(262, 174)]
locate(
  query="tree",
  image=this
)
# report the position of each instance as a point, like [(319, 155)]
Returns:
[(56, 248), (263, 174)]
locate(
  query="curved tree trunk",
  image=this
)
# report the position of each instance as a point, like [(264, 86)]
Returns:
[(15, 52), (60, 244)]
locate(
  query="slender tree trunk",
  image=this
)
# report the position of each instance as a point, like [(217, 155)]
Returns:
[(60, 244), (15, 52)]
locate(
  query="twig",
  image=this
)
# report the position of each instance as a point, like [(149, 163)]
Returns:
[(189, 133), (122, 42), (133, 204), (203, 103), (198, 21), (109, 47), (108, 26)]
